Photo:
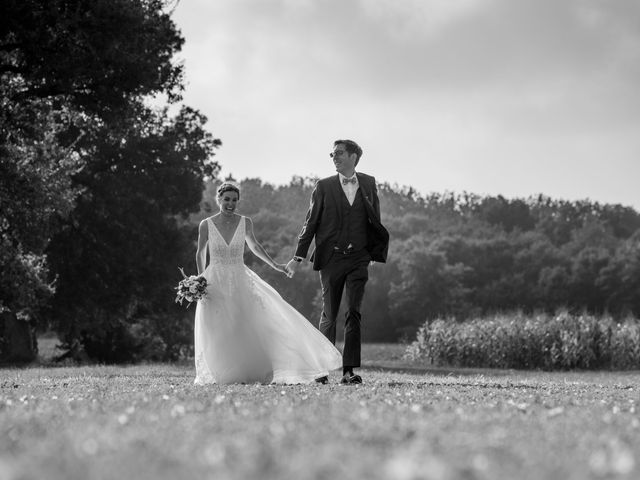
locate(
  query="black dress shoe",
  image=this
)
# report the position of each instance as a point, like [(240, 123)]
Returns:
[(351, 379), (323, 380)]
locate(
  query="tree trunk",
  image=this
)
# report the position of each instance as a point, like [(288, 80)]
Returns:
[(18, 342)]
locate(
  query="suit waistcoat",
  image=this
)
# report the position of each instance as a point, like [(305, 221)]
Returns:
[(353, 229)]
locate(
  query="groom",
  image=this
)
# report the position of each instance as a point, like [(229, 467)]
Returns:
[(344, 218)]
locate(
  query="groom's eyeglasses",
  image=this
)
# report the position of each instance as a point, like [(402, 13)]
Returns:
[(336, 153)]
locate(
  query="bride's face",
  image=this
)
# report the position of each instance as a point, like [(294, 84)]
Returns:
[(228, 202)]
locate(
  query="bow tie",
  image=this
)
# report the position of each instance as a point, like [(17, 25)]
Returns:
[(347, 181)]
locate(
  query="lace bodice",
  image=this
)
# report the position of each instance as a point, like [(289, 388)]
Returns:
[(222, 254)]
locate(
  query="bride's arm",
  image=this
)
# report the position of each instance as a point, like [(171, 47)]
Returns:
[(201, 253), (258, 249)]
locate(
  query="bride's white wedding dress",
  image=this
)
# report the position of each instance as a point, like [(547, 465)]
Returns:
[(245, 332)]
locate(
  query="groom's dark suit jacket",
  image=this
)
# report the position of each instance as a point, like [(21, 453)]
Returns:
[(324, 220)]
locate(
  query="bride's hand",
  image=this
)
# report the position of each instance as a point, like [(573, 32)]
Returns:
[(291, 268), (286, 270), (281, 267)]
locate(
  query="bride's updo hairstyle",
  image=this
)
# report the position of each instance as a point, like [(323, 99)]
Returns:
[(228, 187)]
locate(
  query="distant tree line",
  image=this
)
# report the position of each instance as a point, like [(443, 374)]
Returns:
[(463, 255)]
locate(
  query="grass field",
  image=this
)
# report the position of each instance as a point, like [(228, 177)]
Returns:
[(151, 422)]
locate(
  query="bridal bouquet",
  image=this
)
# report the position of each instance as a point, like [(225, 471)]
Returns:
[(191, 288)]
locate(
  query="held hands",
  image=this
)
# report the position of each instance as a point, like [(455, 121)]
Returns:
[(291, 268), (281, 267)]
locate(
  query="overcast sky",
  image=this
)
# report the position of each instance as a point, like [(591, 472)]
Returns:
[(511, 97)]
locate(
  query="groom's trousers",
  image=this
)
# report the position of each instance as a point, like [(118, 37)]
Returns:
[(348, 271)]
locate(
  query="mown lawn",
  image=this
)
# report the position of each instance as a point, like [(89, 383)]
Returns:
[(404, 422)]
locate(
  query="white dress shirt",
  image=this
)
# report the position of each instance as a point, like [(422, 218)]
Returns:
[(350, 188)]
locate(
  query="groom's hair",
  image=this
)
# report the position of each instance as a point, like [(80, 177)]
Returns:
[(351, 147), (228, 187)]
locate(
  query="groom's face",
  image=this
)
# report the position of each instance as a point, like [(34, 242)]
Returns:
[(345, 163)]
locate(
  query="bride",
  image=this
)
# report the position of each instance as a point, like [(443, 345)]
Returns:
[(244, 331)]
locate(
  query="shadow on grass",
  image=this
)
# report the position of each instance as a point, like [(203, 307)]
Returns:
[(438, 371), (504, 378)]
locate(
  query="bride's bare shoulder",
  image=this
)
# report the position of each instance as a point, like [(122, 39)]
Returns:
[(205, 222)]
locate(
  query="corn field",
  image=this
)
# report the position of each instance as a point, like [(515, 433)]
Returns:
[(549, 342)]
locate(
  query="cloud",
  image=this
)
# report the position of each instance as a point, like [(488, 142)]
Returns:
[(337, 48)]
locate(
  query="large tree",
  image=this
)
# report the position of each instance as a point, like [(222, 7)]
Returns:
[(75, 76)]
